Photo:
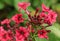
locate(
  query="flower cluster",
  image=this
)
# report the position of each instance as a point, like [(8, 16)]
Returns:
[(13, 30), (47, 16), (5, 35)]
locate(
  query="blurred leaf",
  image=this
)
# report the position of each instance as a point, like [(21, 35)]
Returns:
[(32, 13), (54, 1), (46, 2), (1, 5), (56, 7), (16, 4), (55, 29), (35, 3), (39, 39), (53, 37), (9, 2), (11, 14), (24, 14), (30, 8), (24, 0)]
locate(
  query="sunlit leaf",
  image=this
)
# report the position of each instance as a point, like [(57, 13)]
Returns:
[(1, 5)]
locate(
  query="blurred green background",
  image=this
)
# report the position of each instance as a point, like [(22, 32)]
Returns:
[(9, 7)]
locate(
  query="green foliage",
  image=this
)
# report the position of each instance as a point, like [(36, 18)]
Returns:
[(11, 14), (39, 39), (9, 2), (54, 35), (16, 4), (1, 5), (35, 3)]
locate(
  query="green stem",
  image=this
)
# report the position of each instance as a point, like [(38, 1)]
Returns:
[(33, 39)]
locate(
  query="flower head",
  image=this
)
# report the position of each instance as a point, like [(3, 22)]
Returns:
[(22, 33), (23, 5), (5, 35), (42, 34), (18, 18), (42, 16), (6, 21), (51, 17), (44, 8)]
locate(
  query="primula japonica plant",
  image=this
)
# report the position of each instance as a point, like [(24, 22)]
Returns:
[(12, 30)]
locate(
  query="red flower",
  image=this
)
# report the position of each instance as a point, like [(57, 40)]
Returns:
[(6, 21), (5, 35), (2, 30), (51, 17), (29, 28), (23, 5), (42, 16), (19, 39), (44, 8), (22, 33), (18, 18), (42, 34)]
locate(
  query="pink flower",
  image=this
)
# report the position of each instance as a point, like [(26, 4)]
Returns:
[(29, 28), (2, 30), (51, 17), (44, 8), (42, 34), (5, 35), (6, 21), (22, 33), (18, 18), (23, 5), (52, 14), (42, 15), (17, 39)]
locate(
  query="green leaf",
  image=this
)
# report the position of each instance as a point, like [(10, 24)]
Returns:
[(35, 3), (24, 0), (1, 5), (11, 14), (54, 1), (30, 8), (39, 39), (16, 4), (55, 29), (53, 37), (24, 14), (9, 2)]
